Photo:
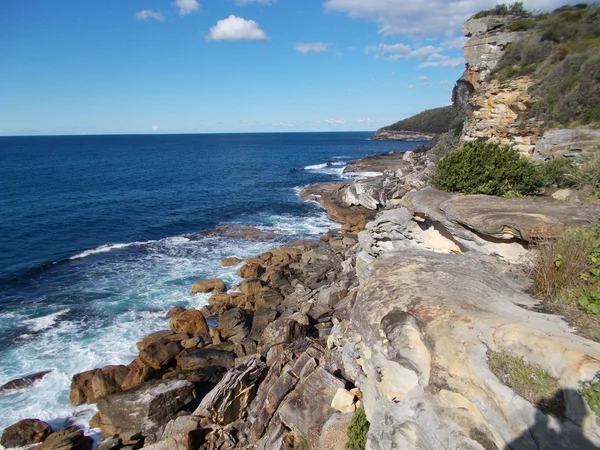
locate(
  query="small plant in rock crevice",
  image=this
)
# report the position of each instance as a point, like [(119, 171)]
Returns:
[(590, 391), (358, 431)]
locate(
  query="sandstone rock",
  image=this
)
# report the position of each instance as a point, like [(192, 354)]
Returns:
[(343, 401), (110, 443), (252, 286), (251, 270), (269, 299), (156, 336), (192, 342), (307, 408), (233, 325), (206, 357), (138, 373), (25, 432), (68, 439), (566, 142), (335, 432), (25, 382), (174, 311), (425, 321), (160, 354), (143, 410), (214, 285), (230, 261), (282, 331), (181, 433), (191, 322), (89, 386), (260, 320), (231, 397)]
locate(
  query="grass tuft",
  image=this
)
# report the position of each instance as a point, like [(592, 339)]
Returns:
[(358, 431)]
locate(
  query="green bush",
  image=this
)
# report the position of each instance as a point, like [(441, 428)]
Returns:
[(560, 173), (588, 174), (503, 9), (358, 430), (487, 168), (590, 391)]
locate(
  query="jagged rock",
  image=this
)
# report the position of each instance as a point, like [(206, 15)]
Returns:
[(162, 335), (143, 410), (260, 320), (231, 396), (282, 331), (230, 261), (307, 408), (160, 354), (25, 382), (343, 401), (89, 386), (68, 439), (214, 285), (25, 432), (138, 373), (364, 193), (191, 322), (174, 311), (181, 433), (233, 325), (251, 270), (423, 322), (252, 286), (206, 357), (110, 443)]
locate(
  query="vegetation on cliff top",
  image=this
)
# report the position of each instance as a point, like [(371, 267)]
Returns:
[(437, 120), (503, 10), (561, 53)]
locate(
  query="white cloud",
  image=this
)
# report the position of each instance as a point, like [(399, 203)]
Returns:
[(262, 2), (335, 121), (431, 56), (431, 83), (186, 6), (424, 17), (155, 128), (423, 78), (147, 14), (236, 29), (445, 61), (409, 86), (311, 47)]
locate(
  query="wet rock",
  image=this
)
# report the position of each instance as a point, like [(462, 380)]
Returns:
[(25, 382), (231, 397), (234, 325), (191, 322), (230, 261), (25, 432), (214, 285), (68, 439), (160, 354), (143, 410), (206, 357)]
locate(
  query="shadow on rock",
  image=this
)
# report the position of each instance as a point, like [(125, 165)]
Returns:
[(560, 428)]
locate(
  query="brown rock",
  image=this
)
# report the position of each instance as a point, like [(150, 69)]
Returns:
[(191, 322), (233, 325), (284, 256), (89, 386), (230, 261), (138, 373), (206, 357), (160, 354), (174, 311), (25, 432), (252, 286), (282, 331), (67, 439), (251, 270), (260, 320), (270, 299), (215, 285), (153, 337), (22, 383)]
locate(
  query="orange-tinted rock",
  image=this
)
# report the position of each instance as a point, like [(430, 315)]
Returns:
[(215, 285), (251, 270), (191, 322), (138, 373), (25, 432), (230, 261)]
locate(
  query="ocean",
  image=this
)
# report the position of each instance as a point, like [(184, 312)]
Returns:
[(99, 237)]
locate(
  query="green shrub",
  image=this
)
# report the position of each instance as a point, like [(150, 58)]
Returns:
[(590, 391), (521, 25), (487, 168), (559, 172), (358, 430), (588, 175), (436, 120), (502, 9)]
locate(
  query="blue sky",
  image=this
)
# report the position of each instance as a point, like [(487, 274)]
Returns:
[(187, 66)]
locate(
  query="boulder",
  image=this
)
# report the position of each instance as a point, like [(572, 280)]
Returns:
[(282, 331), (191, 322), (144, 410), (214, 285), (25, 432), (174, 311), (206, 357), (160, 354), (230, 261), (67, 439), (343, 401), (25, 382), (252, 286), (89, 386), (138, 373), (231, 396), (251, 270), (260, 320), (233, 325), (181, 433), (307, 408), (335, 432), (110, 443)]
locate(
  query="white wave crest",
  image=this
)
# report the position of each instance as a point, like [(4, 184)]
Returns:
[(41, 323), (175, 240)]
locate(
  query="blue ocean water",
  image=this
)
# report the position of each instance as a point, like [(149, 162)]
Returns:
[(98, 239)]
